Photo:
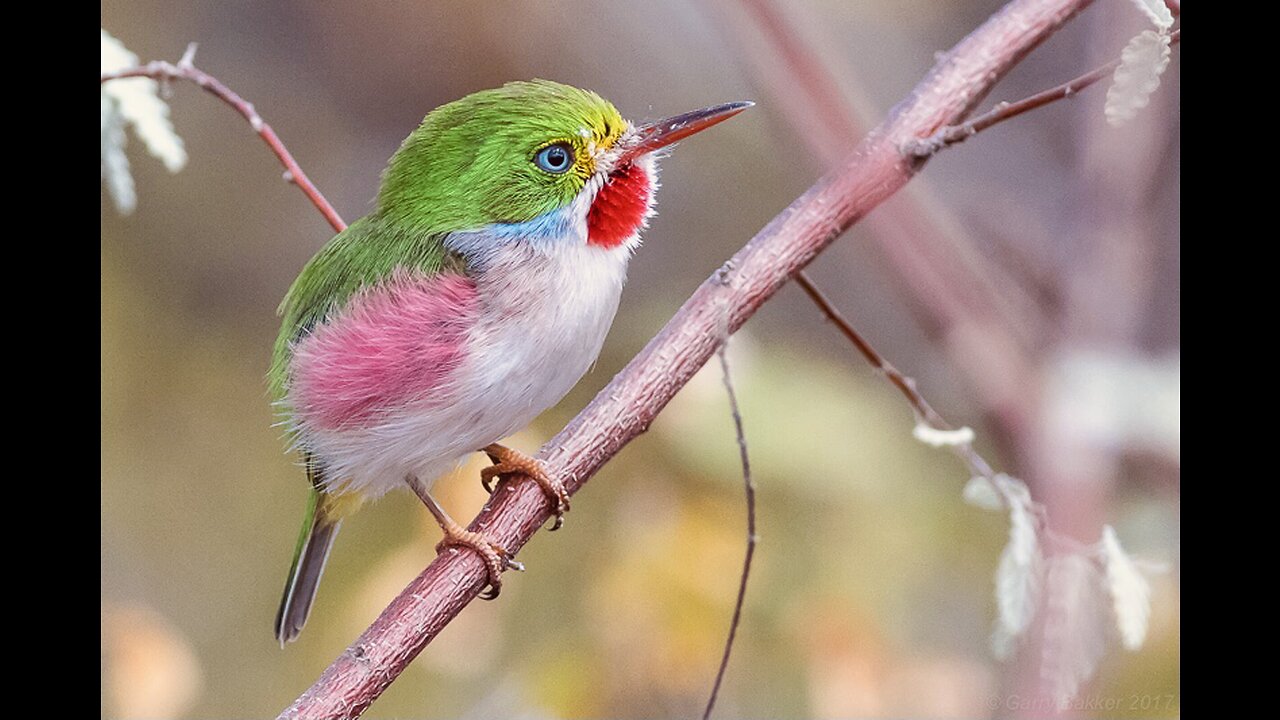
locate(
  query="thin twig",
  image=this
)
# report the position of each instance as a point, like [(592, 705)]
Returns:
[(162, 72), (924, 412), (624, 409), (752, 539), (953, 134)]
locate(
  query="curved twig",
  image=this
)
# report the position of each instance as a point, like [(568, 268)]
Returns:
[(749, 488), (162, 72), (924, 412)]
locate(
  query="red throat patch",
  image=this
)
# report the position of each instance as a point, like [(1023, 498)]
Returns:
[(619, 207)]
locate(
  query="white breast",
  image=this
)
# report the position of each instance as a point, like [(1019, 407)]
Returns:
[(545, 321)]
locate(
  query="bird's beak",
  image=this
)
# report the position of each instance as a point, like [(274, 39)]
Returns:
[(662, 133)]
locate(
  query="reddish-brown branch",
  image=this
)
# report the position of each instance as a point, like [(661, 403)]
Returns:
[(162, 71), (953, 134), (626, 407), (940, 266)]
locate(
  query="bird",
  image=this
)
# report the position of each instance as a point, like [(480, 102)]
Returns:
[(476, 293)]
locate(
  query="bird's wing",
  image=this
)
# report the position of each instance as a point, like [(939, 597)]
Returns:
[(365, 255), (392, 345)]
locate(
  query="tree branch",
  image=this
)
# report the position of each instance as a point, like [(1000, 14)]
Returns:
[(955, 289), (163, 72), (953, 134), (626, 407)]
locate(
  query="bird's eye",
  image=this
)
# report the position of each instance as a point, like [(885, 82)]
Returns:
[(555, 159)]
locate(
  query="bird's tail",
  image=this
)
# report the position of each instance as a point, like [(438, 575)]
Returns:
[(324, 517)]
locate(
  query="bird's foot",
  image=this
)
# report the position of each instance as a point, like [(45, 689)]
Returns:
[(496, 558), (509, 462)]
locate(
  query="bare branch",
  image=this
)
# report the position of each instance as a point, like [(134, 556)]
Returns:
[(923, 410), (752, 539), (626, 407), (163, 72), (953, 134), (955, 288)]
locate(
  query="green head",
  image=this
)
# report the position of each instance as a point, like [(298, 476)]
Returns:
[(532, 162), (516, 153), (505, 155)]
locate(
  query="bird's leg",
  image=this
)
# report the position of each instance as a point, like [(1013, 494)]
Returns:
[(496, 558), (508, 462)]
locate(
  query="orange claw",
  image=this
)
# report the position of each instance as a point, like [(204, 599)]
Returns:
[(511, 462)]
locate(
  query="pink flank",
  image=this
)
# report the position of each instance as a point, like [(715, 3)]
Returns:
[(389, 347)]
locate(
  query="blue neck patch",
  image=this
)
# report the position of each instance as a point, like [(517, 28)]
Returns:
[(542, 232)]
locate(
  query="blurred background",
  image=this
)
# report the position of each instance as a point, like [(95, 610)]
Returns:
[(1028, 280)]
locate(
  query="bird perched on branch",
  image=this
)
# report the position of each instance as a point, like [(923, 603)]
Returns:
[(474, 296)]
